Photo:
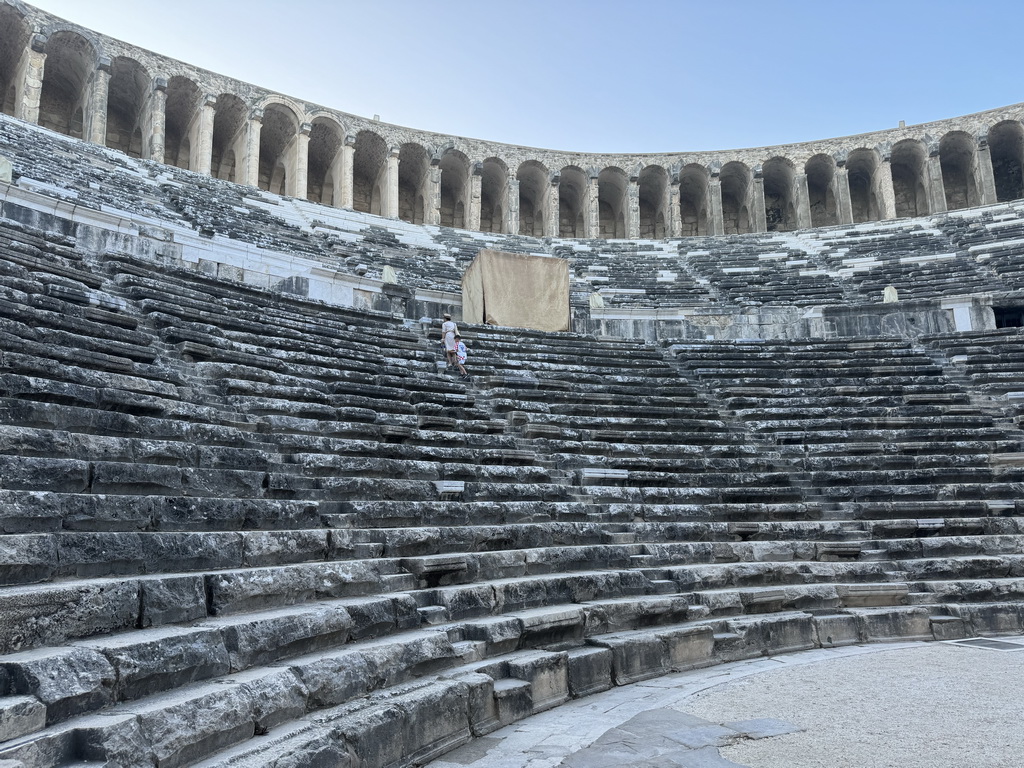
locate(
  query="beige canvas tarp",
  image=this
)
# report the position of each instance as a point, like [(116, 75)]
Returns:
[(517, 290)]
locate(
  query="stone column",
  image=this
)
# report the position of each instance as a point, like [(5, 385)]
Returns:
[(94, 115), (551, 223), (252, 149), (512, 209), (716, 216), (841, 191), (346, 184), (675, 214), (203, 161), (300, 173), (757, 211), (391, 208), (432, 215), (633, 212), (933, 182), (803, 201), (884, 192), (475, 197), (30, 77), (592, 209), (986, 179), (155, 123)]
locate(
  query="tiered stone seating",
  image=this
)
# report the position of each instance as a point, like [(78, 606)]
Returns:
[(921, 263), (238, 528), (257, 529)]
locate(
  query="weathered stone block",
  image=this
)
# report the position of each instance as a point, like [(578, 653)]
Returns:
[(171, 600), (50, 615), (263, 548), (212, 717), (689, 647), (502, 634), (512, 700), (374, 733), (464, 602), (263, 639), (167, 658), (436, 720), (278, 696), (837, 630), (893, 623), (117, 477), (87, 555), (482, 706), (114, 738), (590, 670), (68, 682), (35, 473), (20, 715), (636, 656), (547, 674), (27, 558), (173, 551)]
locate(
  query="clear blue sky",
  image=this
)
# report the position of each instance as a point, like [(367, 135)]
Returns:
[(596, 75)]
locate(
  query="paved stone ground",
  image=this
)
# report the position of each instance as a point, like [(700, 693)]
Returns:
[(901, 705)]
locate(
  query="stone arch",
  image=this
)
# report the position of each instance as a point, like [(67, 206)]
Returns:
[(533, 191), (572, 198), (779, 195), (69, 70), (736, 198), (181, 122), (493, 195), (229, 135), (127, 96), (652, 192), (413, 183), (862, 177), (693, 200), (908, 180), (277, 149), (612, 203), (454, 189), (369, 171), (323, 174), (14, 46), (957, 158), (1006, 144), (821, 194)]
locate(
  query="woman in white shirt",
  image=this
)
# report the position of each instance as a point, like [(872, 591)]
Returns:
[(448, 331)]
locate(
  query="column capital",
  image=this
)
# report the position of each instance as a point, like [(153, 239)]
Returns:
[(305, 129), (160, 84), (209, 100), (38, 43), (478, 169), (256, 115), (103, 64)]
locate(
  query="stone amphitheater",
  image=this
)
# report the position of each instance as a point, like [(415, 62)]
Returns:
[(249, 519)]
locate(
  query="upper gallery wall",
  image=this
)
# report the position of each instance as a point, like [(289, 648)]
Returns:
[(83, 84)]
